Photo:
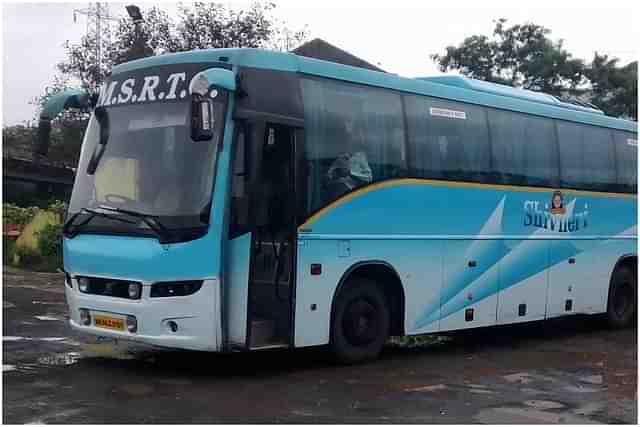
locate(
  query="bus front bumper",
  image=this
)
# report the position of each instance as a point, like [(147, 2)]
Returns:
[(188, 322)]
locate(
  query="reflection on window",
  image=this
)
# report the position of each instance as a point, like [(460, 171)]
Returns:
[(523, 149), (449, 140), (586, 157), (355, 136), (117, 176)]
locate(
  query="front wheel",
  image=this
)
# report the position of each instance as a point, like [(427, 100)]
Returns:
[(360, 322), (621, 305)]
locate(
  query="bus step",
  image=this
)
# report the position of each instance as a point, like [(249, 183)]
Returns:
[(262, 332)]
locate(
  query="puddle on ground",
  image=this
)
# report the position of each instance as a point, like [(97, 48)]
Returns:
[(428, 388), (11, 338), (481, 391), (60, 359), (107, 350), (591, 379), (507, 415), (48, 339), (544, 404), (47, 318), (519, 377), (580, 389)]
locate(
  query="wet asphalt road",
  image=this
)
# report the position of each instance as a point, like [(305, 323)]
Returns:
[(564, 371)]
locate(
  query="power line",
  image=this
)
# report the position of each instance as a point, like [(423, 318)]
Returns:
[(98, 18)]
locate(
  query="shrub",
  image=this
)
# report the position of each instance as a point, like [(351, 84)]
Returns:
[(12, 214), (58, 207), (8, 250), (50, 240)]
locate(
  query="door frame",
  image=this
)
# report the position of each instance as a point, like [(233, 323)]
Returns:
[(256, 130)]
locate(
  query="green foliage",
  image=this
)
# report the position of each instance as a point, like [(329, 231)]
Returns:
[(50, 241), (27, 257), (614, 88), (524, 56), (12, 214), (58, 207), (8, 251), (520, 55), (200, 26)]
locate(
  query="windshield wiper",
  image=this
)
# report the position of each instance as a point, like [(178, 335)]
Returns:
[(71, 230), (151, 220)]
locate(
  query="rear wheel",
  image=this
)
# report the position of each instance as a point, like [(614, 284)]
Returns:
[(621, 305), (360, 323)]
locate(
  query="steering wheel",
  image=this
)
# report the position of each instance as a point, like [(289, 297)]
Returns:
[(118, 199)]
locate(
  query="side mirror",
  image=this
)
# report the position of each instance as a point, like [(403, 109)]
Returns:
[(70, 98), (203, 90), (201, 118)]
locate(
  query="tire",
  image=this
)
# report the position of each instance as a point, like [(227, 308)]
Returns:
[(360, 322), (621, 304)]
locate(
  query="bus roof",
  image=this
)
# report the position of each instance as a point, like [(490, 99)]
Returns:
[(455, 88)]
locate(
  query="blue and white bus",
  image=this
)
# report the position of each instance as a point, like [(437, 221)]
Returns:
[(237, 199)]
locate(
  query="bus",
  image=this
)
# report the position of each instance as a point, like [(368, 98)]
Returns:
[(244, 199)]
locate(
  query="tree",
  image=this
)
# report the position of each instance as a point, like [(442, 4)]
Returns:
[(614, 89), (202, 26), (520, 56)]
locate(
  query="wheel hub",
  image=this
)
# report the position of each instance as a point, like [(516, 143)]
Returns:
[(359, 323)]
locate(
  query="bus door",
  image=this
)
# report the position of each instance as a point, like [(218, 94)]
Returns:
[(262, 246)]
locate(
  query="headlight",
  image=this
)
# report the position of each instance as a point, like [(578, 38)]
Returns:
[(134, 290), (83, 284)]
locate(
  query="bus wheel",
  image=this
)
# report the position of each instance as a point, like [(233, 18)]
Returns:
[(360, 324), (621, 306)]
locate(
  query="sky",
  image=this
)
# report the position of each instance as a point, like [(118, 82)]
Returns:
[(396, 35)]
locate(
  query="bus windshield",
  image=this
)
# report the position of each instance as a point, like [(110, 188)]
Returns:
[(148, 164)]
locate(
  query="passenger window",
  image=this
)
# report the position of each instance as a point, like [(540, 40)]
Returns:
[(449, 140), (523, 149), (586, 157), (354, 136), (626, 149)]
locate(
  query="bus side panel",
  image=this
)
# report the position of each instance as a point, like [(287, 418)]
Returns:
[(237, 288), (523, 293), (420, 272), (580, 284), (471, 283)]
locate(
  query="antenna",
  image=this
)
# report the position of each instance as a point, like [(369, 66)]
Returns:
[(98, 18)]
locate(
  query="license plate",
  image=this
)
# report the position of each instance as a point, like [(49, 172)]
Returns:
[(107, 322)]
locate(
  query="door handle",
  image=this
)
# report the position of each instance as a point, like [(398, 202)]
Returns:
[(572, 260)]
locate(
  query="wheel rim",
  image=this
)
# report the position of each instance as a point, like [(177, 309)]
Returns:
[(623, 295), (360, 323)]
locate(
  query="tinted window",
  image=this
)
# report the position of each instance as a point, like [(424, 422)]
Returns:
[(586, 157), (626, 148), (354, 136), (449, 140), (523, 149)]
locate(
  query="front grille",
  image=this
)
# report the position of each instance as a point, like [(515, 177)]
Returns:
[(108, 287)]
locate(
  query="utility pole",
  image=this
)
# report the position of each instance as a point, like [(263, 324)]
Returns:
[(98, 18)]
